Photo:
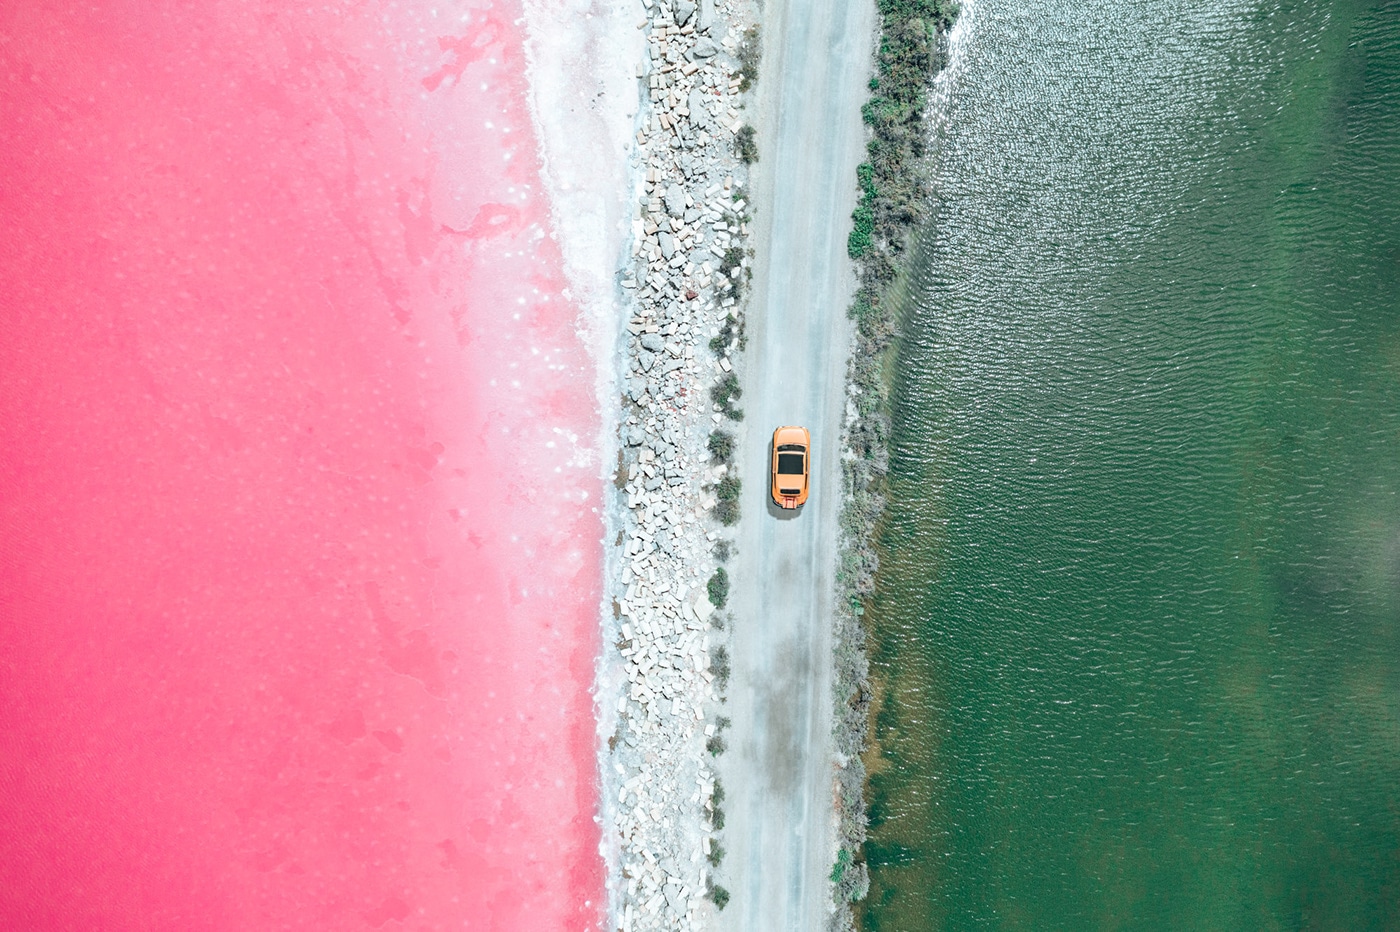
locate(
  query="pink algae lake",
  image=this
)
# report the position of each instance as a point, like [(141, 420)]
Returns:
[(298, 543)]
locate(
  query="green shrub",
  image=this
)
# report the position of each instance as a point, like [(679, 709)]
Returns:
[(715, 745), (864, 217), (730, 265), (857, 243), (727, 513), (748, 54), (733, 257), (727, 500), (718, 588), (860, 307), (720, 342), (716, 853), (724, 393), (745, 147), (721, 445), (732, 326), (719, 666), (718, 894), (865, 174), (843, 858)]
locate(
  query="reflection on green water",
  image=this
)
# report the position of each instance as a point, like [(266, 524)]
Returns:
[(1138, 623)]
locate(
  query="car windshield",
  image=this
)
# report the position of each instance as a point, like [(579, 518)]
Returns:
[(789, 464)]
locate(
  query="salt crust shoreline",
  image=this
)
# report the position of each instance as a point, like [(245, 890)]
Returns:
[(657, 699)]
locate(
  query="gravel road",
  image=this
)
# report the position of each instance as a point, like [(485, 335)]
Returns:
[(778, 772)]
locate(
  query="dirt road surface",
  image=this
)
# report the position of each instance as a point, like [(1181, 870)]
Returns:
[(778, 772)]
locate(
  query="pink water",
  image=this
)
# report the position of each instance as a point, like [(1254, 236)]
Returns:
[(298, 553)]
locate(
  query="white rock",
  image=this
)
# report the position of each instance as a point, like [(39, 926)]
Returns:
[(702, 608)]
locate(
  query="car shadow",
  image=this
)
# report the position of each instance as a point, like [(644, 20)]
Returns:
[(781, 513)]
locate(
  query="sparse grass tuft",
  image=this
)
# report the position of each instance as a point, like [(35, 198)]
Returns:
[(620, 476)]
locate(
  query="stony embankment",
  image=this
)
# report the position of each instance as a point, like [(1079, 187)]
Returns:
[(895, 196), (664, 669)]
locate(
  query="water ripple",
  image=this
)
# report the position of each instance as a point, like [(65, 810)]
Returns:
[(1137, 636)]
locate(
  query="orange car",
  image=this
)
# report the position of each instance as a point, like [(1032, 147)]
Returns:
[(792, 464)]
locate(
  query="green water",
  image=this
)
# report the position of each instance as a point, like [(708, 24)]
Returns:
[(1137, 632)]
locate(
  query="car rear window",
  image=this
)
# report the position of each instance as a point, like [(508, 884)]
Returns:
[(790, 464)]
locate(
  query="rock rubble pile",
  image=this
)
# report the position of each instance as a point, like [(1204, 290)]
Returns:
[(685, 281)]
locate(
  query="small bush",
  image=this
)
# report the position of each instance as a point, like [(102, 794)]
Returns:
[(731, 328), (860, 308), (748, 54), (859, 240), (851, 879), (716, 853), (843, 860), (718, 588), (731, 268), (719, 666), (715, 745), (727, 500), (721, 446), (857, 243), (718, 895), (865, 175), (722, 551), (864, 217), (724, 393), (745, 146), (733, 257), (717, 819)]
